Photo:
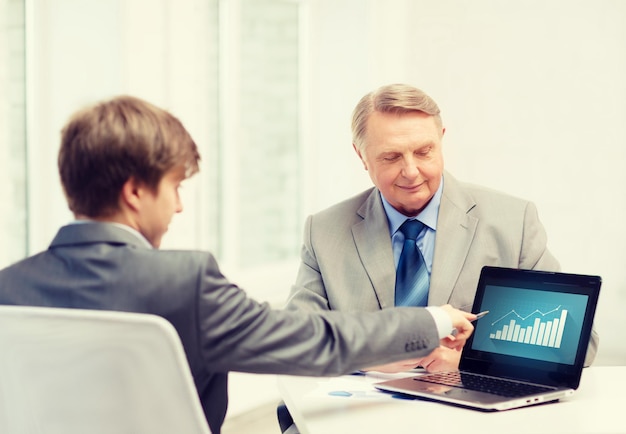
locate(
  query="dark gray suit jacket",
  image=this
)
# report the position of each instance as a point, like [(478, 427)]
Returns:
[(105, 267), (347, 260)]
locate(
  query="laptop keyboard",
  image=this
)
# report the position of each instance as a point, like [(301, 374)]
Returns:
[(496, 386)]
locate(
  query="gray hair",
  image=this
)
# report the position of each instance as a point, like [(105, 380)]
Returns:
[(392, 98)]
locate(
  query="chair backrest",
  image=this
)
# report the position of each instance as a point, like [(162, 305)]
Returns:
[(70, 371)]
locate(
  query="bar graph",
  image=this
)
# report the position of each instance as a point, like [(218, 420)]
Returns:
[(532, 329)]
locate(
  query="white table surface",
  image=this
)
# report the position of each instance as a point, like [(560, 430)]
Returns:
[(598, 406)]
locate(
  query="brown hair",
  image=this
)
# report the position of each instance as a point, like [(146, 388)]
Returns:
[(105, 145), (392, 98)]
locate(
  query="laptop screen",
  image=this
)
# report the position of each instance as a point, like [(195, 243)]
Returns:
[(542, 325), (538, 322)]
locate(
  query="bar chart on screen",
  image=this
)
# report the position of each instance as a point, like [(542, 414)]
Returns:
[(539, 328)]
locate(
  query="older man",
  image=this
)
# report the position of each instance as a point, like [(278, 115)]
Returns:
[(351, 250)]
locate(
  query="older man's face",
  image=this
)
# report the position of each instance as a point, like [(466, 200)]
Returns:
[(403, 156)]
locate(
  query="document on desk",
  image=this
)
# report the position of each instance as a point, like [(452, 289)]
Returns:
[(359, 386)]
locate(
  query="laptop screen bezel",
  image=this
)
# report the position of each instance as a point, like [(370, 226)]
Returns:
[(526, 369)]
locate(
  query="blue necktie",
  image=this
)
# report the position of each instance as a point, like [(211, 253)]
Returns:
[(412, 279)]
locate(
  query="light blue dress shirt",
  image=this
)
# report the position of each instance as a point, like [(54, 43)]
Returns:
[(425, 242), (426, 239)]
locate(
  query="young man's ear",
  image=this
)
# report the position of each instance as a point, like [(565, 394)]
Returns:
[(130, 196)]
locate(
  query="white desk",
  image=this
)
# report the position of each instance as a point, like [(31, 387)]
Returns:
[(596, 407)]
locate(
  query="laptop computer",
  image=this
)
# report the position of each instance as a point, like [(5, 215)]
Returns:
[(529, 349)]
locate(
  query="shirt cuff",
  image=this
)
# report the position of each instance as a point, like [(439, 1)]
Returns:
[(442, 321)]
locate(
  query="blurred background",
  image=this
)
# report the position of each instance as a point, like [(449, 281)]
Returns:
[(532, 94)]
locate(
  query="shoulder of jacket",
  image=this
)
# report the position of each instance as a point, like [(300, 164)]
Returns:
[(351, 204)]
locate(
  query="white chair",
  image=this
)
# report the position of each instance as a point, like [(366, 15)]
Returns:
[(69, 371)]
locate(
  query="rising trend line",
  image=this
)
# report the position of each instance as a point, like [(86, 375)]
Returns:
[(513, 312)]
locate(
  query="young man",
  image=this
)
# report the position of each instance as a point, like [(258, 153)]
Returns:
[(121, 163)]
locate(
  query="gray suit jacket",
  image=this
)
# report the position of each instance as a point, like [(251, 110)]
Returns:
[(101, 266), (347, 261)]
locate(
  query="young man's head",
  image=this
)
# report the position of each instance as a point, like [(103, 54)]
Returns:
[(122, 160)]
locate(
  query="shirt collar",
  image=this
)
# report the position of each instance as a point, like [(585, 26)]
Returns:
[(127, 228), (428, 215)]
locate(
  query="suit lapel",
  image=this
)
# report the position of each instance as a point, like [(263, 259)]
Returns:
[(371, 237), (455, 232)]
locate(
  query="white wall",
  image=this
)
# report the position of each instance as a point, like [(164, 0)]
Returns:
[(532, 94)]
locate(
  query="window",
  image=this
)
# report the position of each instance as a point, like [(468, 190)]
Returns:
[(13, 219), (229, 69), (260, 145)]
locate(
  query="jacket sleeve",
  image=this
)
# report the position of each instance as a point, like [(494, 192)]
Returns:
[(308, 293), (240, 334), (534, 252)]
